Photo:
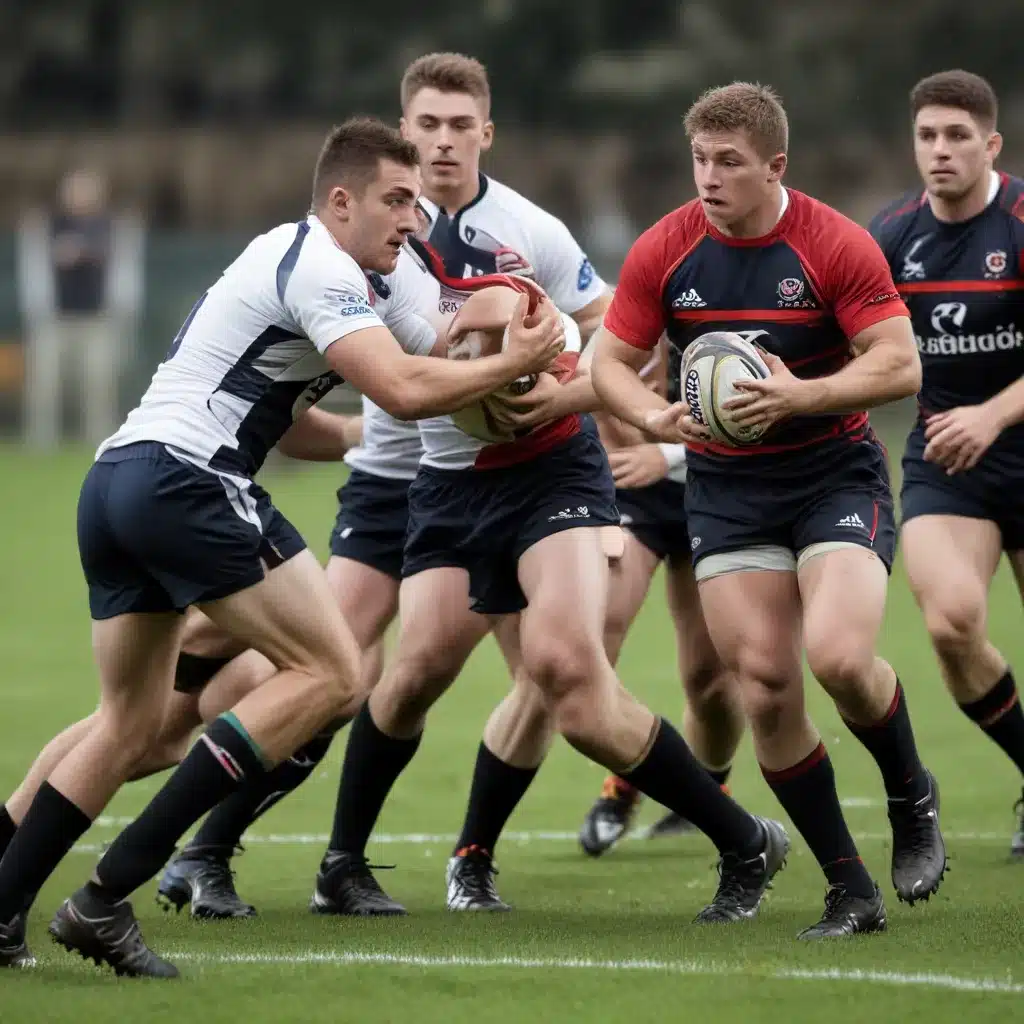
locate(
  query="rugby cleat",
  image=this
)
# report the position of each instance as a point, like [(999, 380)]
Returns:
[(918, 852), (612, 814), (743, 883), (1017, 842), (847, 915), (203, 877), (107, 935), (14, 951), (345, 885), (470, 879)]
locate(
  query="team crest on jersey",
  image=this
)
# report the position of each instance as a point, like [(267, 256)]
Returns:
[(995, 263), (585, 277), (791, 293)]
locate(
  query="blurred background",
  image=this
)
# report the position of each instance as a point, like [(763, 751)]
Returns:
[(142, 144)]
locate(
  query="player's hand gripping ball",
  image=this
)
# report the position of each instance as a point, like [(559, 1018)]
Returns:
[(712, 365)]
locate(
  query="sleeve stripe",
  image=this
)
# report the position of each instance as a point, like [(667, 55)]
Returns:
[(290, 258)]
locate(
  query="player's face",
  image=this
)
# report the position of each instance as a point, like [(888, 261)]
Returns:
[(450, 130), (953, 151), (383, 216), (733, 180)]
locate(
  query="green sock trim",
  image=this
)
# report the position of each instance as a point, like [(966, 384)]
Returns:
[(232, 719)]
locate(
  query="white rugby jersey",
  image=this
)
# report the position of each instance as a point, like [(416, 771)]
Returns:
[(500, 231), (406, 301), (248, 360)]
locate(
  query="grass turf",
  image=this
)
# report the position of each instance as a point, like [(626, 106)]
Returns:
[(589, 940)]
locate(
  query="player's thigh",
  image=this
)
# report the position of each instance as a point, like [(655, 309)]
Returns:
[(291, 618), (565, 579), (438, 631), (204, 638), (629, 579), (950, 561), (367, 597)]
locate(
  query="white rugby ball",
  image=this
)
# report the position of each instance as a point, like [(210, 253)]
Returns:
[(712, 366), (477, 419)]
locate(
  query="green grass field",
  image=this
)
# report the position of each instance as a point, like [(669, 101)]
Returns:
[(589, 940)]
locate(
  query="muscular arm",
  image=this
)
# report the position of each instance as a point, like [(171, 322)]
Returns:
[(616, 377), (886, 367)]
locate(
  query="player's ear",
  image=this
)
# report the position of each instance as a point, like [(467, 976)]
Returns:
[(339, 202), (777, 167), (403, 127), (994, 146), (487, 137)]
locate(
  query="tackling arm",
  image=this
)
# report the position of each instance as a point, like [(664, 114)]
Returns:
[(321, 436)]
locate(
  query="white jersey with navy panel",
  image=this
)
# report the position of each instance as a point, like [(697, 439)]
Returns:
[(501, 231), (406, 301), (249, 358)]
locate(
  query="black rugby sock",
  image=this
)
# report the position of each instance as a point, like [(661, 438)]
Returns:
[(373, 762), (225, 825), (891, 743), (494, 794), (50, 828), (223, 758), (7, 829), (807, 791), (999, 715), (670, 775)]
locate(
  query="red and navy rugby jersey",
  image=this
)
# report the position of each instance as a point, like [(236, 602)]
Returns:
[(813, 282), (964, 285)]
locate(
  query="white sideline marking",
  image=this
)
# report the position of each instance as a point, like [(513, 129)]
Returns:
[(519, 838), (692, 967)]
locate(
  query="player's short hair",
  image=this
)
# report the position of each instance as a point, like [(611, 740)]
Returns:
[(963, 90), (352, 152), (747, 107), (447, 72)]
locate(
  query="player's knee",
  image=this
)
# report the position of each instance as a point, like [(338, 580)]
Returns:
[(560, 664), (955, 624), (418, 678), (841, 661), (769, 690), (132, 731), (713, 692)]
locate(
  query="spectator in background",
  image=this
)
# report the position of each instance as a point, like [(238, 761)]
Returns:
[(80, 285)]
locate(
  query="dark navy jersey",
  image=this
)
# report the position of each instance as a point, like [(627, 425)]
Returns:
[(813, 282), (964, 285)]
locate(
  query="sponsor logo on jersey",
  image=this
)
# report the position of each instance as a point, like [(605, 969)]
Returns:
[(688, 300), (585, 277), (995, 263), (948, 318), (884, 297), (350, 303)]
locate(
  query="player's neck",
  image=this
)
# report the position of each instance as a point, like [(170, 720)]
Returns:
[(973, 202), (454, 198), (759, 221)]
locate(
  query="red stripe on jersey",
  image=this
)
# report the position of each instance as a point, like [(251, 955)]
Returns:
[(915, 287), (780, 316), (537, 442), (851, 427)]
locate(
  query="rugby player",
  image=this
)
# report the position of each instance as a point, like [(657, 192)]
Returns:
[(650, 485), (516, 529), (475, 227), (792, 539), (169, 518), (955, 252)]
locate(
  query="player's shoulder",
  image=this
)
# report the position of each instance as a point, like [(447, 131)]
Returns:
[(314, 258), (811, 216), (671, 235), (1010, 197), (897, 218), (497, 196)]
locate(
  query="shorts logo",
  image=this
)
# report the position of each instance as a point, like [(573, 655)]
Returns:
[(995, 263), (948, 317), (346, 533), (581, 512), (625, 519), (694, 543), (853, 521), (585, 277)]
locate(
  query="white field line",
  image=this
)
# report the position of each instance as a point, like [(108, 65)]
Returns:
[(686, 967), (518, 838)]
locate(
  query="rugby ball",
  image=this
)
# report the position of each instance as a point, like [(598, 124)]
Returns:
[(477, 419), (712, 366)]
